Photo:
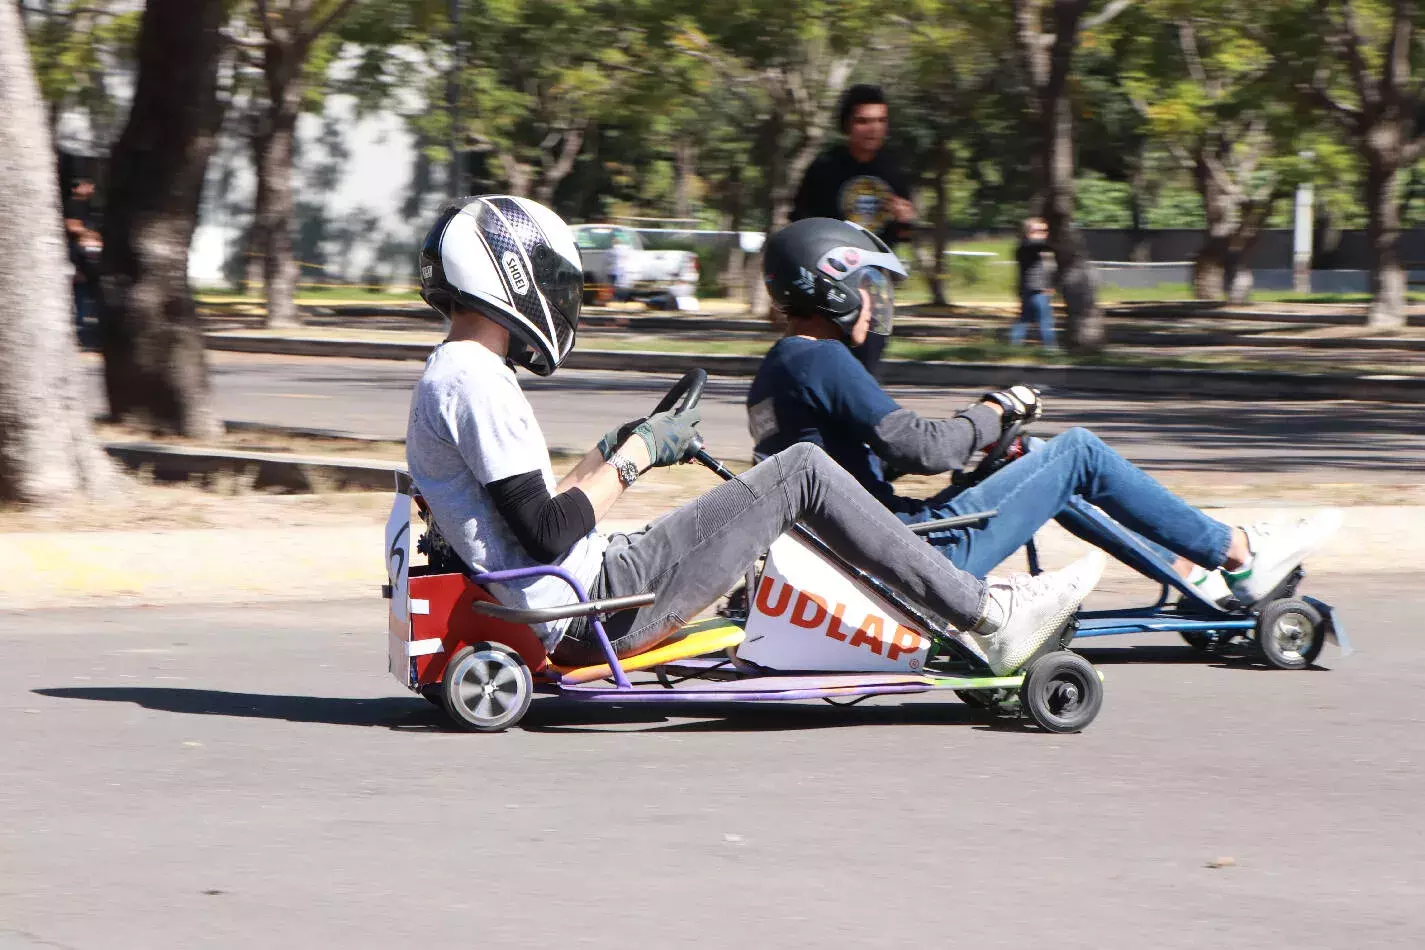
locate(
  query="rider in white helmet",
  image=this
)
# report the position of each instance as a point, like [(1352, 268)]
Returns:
[(506, 272)]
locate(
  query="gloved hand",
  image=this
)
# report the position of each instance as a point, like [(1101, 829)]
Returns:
[(612, 439), (1020, 403), (669, 434)]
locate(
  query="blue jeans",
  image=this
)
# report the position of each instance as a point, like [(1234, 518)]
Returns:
[(1056, 478), (1034, 308)]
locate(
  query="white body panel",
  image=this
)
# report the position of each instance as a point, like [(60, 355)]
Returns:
[(808, 614), (398, 572)]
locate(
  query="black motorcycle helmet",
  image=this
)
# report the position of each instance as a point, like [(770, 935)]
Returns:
[(819, 266)]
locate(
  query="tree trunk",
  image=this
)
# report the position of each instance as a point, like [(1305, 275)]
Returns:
[(1140, 248), (518, 176), (685, 164), (278, 220), (735, 203), (47, 446), (571, 143), (1219, 208), (257, 241), (1387, 310), (1084, 330), (1238, 272), (154, 366), (940, 222)]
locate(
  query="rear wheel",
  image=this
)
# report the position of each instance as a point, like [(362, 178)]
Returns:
[(487, 687), (1290, 634), (1198, 641), (1061, 692)]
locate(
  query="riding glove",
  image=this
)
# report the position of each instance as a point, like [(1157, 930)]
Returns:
[(612, 439), (1020, 403), (669, 435)]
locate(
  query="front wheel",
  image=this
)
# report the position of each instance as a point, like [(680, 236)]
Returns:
[(1061, 692), (487, 687), (1290, 634)]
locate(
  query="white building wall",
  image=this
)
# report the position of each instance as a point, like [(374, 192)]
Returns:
[(364, 199)]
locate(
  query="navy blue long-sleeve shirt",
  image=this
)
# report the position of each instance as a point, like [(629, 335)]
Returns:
[(816, 391)]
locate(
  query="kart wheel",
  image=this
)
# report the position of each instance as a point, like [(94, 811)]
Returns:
[(1198, 641), (1061, 692), (487, 687), (1290, 634)]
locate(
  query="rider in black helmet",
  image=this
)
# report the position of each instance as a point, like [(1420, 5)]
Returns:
[(830, 279)]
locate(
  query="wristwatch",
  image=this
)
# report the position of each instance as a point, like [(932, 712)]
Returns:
[(627, 470)]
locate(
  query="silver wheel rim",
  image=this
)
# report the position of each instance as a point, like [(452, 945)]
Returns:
[(1291, 635), (489, 687)]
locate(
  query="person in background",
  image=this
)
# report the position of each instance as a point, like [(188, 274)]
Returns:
[(1034, 285), (860, 181), (84, 247)]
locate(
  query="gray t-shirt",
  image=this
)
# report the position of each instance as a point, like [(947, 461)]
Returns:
[(471, 425)]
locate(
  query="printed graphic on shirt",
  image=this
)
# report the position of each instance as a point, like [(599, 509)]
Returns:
[(866, 200), (762, 420)]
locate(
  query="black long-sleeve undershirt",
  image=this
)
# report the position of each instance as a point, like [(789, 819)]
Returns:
[(545, 525)]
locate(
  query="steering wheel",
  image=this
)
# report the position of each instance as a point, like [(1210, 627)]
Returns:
[(689, 389), (995, 459)]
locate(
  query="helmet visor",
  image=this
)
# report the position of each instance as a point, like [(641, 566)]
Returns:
[(882, 295), (562, 283)]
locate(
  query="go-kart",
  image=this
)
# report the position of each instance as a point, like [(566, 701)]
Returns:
[(813, 627), (1286, 630)]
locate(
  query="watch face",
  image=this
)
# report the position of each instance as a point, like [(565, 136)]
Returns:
[(627, 471)]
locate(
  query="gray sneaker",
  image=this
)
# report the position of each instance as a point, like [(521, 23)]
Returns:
[(1034, 609)]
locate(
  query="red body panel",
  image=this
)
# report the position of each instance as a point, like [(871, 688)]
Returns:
[(456, 624)]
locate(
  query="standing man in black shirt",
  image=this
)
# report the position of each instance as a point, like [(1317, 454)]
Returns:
[(1034, 284), (859, 181)]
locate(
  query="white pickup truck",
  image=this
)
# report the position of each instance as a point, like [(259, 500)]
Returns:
[(617, 265)]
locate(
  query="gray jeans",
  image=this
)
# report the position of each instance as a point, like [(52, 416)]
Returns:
[(693, 556)]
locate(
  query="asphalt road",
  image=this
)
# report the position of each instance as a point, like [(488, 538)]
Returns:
[(219, 777), (1340, 442)]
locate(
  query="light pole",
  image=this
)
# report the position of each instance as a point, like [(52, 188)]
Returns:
[(1301, 239), (456, 172)]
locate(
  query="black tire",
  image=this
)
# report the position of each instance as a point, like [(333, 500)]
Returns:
[(1061, 692), (1290, 634), (1198, 641), (486, 687)]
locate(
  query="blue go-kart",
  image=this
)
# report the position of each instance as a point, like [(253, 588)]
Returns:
[(1286, 630)]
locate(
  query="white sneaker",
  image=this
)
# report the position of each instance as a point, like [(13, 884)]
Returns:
[(1277, 550), (1211, 585), (1034, 609)]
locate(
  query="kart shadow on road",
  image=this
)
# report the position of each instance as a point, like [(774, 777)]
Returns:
[(1175, 656), (334, 710), (545, 715), (554, 716)]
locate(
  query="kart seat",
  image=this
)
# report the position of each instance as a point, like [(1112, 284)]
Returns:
[(696, 639)]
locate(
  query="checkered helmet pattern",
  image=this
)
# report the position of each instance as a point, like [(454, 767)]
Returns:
[(514, 261)]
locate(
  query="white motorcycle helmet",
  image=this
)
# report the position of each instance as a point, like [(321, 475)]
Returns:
[(514, 261)]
